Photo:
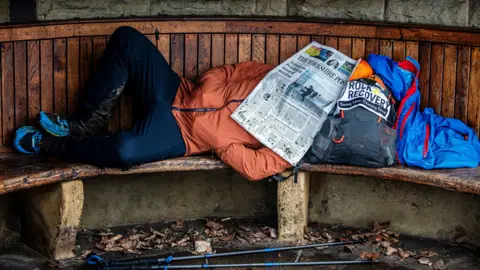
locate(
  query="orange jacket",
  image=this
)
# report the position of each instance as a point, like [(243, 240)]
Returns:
[(203, 112)]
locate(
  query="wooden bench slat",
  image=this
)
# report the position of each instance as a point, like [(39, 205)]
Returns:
[(231, 49), (436, 78), (449, 77), (358, 48), (288, 46), (258, 48), (424, 77), (462, 83), (19, 172), (60, 76), (8, 99), (20, 77), (345, 46), (273, 49), (33, 80), (191, 56), (244, 47), (204, 53), (464, 180), (201, 25), (177, 52), (473, 115), (73, 73), (386, 47), (398, 50)]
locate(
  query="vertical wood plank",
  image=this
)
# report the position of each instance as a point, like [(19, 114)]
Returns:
[(86, 64), (386, 48), (244, 47), (73, 74), (99, 45), (8, 97), (424, 77), (46, 75), (358, 48), (345, 46), (60, 76), (332, 42), (204, 53), (371, 46), (163, 45), (462, 83), (449, 77), (258, 48), (191, 56), (20, 77), (33, 75), (231, 49), (319, 39), (412, 50), (436, 78), (398, 50), (273, 54), (473, 114), (288, 46), (302, 42), (218, 50), (152, 39), (177, 53), (126, 110)]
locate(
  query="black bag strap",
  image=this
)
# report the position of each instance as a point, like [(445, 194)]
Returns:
[(296, 169)]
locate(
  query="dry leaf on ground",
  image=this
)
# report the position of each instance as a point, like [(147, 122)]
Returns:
[(385, 244), (214, 225), (391, 251), (402, 254), (378, 226), (425, 261), (349, 248), (439, 265), (178, 225), (202, 247), (369, 255), (427, 253)]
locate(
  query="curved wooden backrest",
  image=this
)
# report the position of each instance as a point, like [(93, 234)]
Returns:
[(46, 66)]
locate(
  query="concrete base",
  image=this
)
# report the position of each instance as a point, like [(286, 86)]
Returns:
[(111, 201), (9, 221), (412, 209)]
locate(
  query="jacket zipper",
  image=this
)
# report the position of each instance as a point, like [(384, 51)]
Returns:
[(206, 109)]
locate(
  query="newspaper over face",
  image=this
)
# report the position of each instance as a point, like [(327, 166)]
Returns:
[(288, 107)]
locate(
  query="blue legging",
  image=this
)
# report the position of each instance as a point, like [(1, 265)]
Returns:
[(131, 59)]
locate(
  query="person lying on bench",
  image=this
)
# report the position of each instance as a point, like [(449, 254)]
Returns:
[(173, 117)]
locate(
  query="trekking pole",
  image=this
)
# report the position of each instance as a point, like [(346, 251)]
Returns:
[(170, 259), (266, 264)]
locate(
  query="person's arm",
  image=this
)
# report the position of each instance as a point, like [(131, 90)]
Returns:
[(253, 164)]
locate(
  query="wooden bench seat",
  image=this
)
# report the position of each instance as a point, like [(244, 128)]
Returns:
[(46, 67), (19, 172)]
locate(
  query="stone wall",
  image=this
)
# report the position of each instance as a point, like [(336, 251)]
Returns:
[(411, 208), (4, 12), (461, 13)]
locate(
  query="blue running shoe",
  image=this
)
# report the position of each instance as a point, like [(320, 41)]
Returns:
[(54, 124), (27, 140)]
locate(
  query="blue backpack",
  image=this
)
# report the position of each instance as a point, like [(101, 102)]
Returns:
[(424, 139)]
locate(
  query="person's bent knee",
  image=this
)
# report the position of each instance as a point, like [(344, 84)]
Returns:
[(125, 33), (126, 153)]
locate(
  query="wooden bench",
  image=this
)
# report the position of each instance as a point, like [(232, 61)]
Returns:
[(46, 66)]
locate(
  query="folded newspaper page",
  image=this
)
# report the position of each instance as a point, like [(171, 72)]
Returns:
[(288, 107)]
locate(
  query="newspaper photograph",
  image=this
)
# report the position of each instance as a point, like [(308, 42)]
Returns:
[(288, 107)]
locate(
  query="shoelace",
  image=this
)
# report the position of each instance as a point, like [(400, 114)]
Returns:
[(36, 139)]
